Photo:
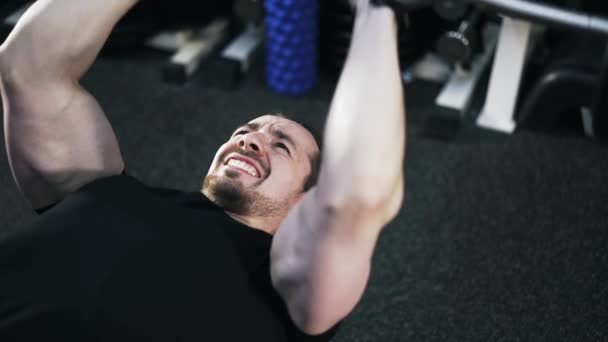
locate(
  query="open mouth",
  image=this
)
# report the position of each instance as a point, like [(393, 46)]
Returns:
[(243, 165)]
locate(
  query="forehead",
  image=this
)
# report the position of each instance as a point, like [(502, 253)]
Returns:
[(299, 134)]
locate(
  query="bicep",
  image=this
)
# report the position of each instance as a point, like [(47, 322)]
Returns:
[(57, 139), (321, 261)]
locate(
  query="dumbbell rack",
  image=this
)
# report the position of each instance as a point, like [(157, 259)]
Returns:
[(513, 44)]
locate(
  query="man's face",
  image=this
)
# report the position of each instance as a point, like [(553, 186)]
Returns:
[(262, 168)]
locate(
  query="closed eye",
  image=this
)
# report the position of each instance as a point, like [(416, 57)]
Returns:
[(283, 146), (240, 132)]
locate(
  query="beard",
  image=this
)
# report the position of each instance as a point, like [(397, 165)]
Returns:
[(229, 194)]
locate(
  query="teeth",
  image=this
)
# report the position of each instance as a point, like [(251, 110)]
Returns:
[(243, 166)]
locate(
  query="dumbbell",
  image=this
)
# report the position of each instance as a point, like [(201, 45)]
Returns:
[(451, 10), (459, 46)]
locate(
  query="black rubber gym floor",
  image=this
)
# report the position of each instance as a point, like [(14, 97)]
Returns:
[(502, 238)]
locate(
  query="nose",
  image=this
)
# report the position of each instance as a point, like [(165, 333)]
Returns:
[(251, 142)]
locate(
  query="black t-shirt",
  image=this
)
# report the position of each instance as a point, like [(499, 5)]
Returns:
[(118, 260)]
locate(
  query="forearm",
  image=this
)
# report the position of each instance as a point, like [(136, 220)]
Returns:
[(323, 250), (61, 38), (365, 133)]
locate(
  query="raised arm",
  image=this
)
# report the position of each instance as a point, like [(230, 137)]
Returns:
[(57, 135), (322, 252), (61, 38)]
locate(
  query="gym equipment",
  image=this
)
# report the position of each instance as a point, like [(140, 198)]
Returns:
[(459, 46), (191, 47), (239, 54), (402, 5), (14, 16), (291, 45), (513, 46), (462, 56), (522, 24), (10, 12), (547, 15), (194, 31), (576, 74), (595, 118), (456, 97), (237, 57), (505, 79), (451, 10), (418, 27)]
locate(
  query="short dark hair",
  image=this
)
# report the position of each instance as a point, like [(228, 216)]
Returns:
[(315, 159)]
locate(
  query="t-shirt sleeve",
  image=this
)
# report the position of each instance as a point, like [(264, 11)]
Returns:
[(41, 211)]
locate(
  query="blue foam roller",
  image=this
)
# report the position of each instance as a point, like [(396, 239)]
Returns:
[(291, 45)]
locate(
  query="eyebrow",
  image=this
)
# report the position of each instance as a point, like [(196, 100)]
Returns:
[(251, 126), (284, 136), (281, 135)]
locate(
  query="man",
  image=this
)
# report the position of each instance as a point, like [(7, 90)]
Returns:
[(259, 253)]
